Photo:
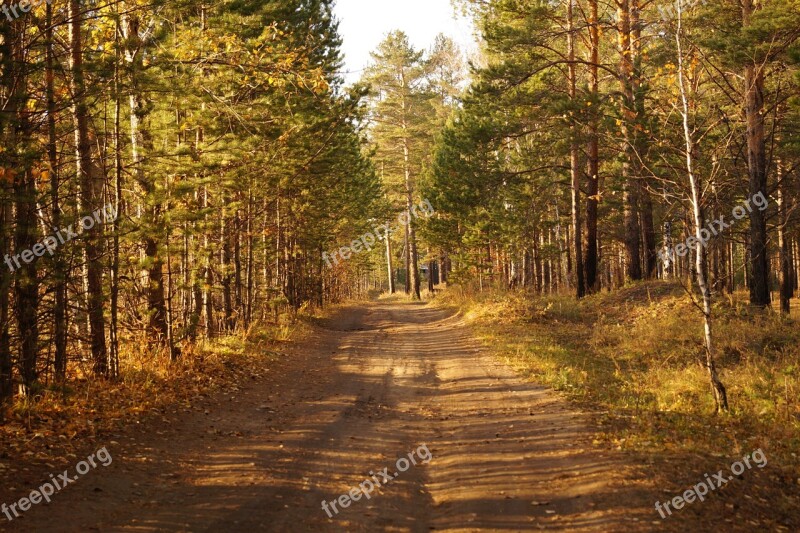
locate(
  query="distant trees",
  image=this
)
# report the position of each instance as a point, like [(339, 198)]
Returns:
[(410, 96)]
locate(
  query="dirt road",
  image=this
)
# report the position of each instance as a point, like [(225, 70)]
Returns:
[(371, 385)]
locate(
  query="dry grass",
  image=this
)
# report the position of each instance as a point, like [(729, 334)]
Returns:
[(634, 357), (59, 420)]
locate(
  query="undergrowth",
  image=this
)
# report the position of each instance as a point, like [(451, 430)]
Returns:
[(634, 358), (58, 419)]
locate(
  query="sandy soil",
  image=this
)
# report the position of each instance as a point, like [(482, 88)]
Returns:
[(371, 385)]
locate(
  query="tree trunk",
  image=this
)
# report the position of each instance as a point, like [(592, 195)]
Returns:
[(407, 257), (59, 264), (250, 274), (757, 168), (6, 367), (208, 272), (718, 389), (412, 240), (26, 285), (227, 274), (784, 246), (593, 154), (575, 172), (632, 231), (389, 263), (197, 273), (91, 183), (7, 38), (412, 275), (640, 146), (142, 144), (237, 262)]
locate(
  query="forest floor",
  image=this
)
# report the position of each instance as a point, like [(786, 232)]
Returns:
[(632, 358), (372, 383)]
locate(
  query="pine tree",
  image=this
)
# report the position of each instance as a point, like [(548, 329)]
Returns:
[(401, 113)]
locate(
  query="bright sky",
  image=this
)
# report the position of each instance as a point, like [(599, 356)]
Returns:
[(364, 23)]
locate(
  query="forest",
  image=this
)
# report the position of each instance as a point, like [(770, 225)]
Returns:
[(609, 189), (225, 144)]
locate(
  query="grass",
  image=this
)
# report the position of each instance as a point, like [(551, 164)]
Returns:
[(633, 357), (59, 418)]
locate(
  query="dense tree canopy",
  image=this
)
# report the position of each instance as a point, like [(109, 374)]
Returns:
[(223, 138)]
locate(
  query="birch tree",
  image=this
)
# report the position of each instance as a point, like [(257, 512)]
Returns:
[(696, 201)]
